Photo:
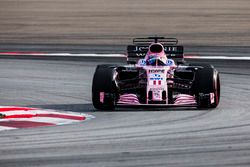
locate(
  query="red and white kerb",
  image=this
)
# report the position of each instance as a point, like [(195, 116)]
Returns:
[(24, 117)]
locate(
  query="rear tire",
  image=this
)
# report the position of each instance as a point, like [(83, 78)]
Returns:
[(104, 83), (207, 81)]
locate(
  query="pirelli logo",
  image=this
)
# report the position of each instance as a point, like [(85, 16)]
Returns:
[(156, 71)]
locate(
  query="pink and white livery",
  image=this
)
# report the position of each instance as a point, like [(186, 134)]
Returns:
[(156, 74)]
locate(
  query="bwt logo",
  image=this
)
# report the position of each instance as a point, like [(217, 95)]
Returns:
[(156, 75)]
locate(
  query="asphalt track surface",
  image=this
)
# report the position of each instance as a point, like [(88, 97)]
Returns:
[(125, 137), (193, 22)]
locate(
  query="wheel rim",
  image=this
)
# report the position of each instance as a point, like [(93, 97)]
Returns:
[(217, 90)]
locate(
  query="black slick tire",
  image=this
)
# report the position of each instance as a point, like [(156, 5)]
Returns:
[(104, 81), (207, 81)]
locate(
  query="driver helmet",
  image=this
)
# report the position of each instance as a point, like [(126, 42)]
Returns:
[(156, 55)]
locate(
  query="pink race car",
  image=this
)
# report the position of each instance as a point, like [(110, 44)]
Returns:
[(156, 75)]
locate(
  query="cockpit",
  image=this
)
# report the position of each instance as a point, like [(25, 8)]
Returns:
[(156, 55)]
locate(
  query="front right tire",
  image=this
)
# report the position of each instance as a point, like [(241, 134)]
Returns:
[(104, 90)]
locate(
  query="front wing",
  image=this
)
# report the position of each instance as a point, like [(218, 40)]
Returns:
[(179, 100)]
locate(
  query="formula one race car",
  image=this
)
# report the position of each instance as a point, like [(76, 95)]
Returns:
[(156, 75)]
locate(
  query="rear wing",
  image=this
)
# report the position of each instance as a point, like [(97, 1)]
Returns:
[(150, 40), (140, 47)]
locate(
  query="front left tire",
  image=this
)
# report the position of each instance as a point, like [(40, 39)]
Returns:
[(207, 81)]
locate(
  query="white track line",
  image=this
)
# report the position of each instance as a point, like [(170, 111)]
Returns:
[(81, 55), (119, 55), (62, 54), (217, 57)]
